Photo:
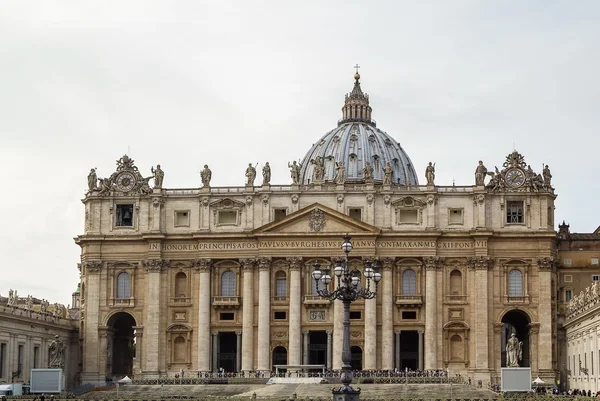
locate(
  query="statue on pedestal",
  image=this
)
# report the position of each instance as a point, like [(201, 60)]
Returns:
[(319, 170), (206, 175), (480, 173), (388, 174), (250, 175), (340, 173), (266, 172), (294, 172), (57, 354), (92, 180), (158, 176), (368, 173), (514, 351), (430, 174), (547, 176)]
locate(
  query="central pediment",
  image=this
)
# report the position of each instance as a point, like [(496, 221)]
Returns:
[(317, 219)]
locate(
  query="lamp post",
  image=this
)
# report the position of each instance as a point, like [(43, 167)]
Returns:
[(347, 291)]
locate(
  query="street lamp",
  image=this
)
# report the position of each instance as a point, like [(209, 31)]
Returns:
[(347, 291)]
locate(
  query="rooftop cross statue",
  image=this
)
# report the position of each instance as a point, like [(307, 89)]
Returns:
[(357, 67)]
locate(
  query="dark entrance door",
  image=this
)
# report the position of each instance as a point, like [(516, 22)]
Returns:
[(280, 358), (409, 350), (122, 352), (317, 348), (227, 351)]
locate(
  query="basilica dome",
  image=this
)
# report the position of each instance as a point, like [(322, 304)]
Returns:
[(354, 142)]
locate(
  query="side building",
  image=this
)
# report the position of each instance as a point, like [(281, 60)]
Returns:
[(206, 278), (28, 329), (579, 300)]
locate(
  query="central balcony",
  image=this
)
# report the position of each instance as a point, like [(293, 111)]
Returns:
[(226, 302)]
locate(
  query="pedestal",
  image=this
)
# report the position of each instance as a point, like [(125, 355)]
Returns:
[(346, 394)]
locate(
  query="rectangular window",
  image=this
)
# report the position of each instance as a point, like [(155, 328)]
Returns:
[(594, 261), (409, 315), (279, 214), (409, 216), (568, 295), (568, 278), (227, 217), (279, 315), (355, 213), (355, 315), (124, 217), (36, 357), (514, 212), (567, 261), (2, 360), (182, 218), (455, 216), (226, 316), (595, 277)]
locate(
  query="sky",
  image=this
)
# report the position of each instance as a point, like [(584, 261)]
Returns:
[(227, 83)]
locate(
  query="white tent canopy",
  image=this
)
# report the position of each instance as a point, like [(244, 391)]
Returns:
[(6, 387), (125, 380), (538, 381)]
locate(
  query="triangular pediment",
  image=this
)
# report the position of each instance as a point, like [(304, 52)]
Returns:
[(317, 219)]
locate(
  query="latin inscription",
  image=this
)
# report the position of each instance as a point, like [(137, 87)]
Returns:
[(207, 246)]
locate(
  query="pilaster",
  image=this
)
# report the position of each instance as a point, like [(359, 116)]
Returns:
[(203, 267), (431, 329), (480, 266), (153, 268), (248, 316), (264, 311), (387, 315), (294, 340)]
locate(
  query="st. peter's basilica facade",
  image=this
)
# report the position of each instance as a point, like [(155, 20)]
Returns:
[(220, 277)]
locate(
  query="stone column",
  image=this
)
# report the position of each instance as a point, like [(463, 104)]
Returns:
[(370, 333), (329, 348), (398, 349), (238, 352), (421, 354), (215, 351), (152, 319), (431, 329), (338, 328), (248, 316), (264, 312), (294, 340), (91, 369), (546, 268), (387, 315), (480, 265), (305, 353), (203, 266)]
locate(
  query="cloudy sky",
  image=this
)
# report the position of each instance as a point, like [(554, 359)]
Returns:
[(184, 83)]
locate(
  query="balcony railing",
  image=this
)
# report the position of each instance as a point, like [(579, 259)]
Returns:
[(226, 302), (516, 300), (456, 298), (409, 300), (279, 300), (315, 300), (123, 302)]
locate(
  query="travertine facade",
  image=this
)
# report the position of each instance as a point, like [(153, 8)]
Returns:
[(220, 277)]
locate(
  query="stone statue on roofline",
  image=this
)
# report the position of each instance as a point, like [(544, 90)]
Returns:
[(250, 175), (368, 173), (388, 174), (430, 174), (159, 175), (294, 172), (480, 173), (206, 175), (92, 180), (266, 172)]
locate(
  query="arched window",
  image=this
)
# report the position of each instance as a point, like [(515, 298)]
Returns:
[(123, 285), (179, 349), (455, 282), (515, 283), (228, 284), (180, 285), (409, 282), (280, 284)]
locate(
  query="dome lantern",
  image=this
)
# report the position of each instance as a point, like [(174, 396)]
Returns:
[(356, 105)]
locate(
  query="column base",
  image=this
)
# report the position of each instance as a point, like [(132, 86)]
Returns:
[(346, 393), (93, 378)]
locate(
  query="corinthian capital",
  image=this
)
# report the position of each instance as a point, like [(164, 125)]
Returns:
[(264, 263), (248, 263), (432, 262), (202, 265), (92, 266), (387, 263), (295, 262), (480, 262), (155, 265), (546, 263)]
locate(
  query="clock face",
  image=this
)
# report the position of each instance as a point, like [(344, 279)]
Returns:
[(515, 177), (125, 182)]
